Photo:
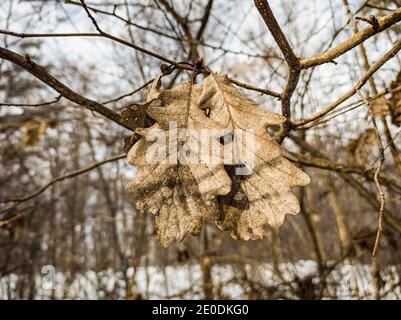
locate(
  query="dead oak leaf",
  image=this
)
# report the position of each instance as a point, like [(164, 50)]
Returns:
[(265, 195), (180, 194), (359, 149)]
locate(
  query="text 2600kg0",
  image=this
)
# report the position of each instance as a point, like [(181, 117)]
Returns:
[(201, 309)]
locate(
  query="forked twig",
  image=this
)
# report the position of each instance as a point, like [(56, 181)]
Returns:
[(377, 176)]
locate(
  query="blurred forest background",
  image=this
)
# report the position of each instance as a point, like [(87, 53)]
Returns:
[(68, 227)]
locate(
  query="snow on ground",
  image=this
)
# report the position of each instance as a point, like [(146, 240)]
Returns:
[(352, 281)]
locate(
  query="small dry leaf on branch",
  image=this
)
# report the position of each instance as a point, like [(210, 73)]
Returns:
[(359, 149), (379, 107), (33, 132), (135, 115)]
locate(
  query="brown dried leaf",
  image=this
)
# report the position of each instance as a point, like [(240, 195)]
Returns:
[(181, 195), (380, 107), (33, 131), (396, 100), (264, 197), (135, 115), (359, 149)]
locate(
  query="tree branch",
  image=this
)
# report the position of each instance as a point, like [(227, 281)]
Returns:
[(291, 59), (40, 104), (377, 176), (41, 73), (64, 177), (99, 35), (325, 164), (94, 22), (388, 217), (178, 65), (371, 30), (361, 82), (278, 35)]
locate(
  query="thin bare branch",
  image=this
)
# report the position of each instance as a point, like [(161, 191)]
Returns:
[(377, 175), (40, 104), (371, 30), (41, 73), (291, 59), (361, 82), (63, 177)]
